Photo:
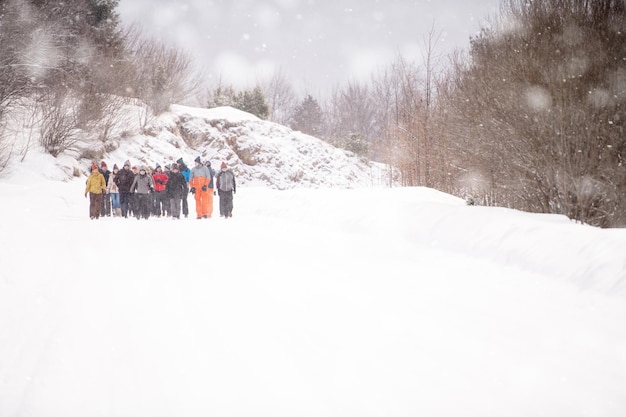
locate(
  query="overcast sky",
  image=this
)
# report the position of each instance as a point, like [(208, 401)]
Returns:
[(317, 44)]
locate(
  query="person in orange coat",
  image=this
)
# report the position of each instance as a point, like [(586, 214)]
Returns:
[(210, 186), (199, 179), (96, 186)]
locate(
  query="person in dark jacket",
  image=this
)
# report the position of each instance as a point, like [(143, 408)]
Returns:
[(226, 187), (142, 187), (167, 170), (184, 170), (176, 190), (124, 180), (106, 197)]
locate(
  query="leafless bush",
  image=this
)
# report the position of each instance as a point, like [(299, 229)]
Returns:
[(58, 124), (536, 114), (161, 75), (5, 146)]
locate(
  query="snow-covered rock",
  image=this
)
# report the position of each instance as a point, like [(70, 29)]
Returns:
[(261, 152)]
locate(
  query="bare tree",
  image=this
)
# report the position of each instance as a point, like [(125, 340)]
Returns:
[(542, 117), (163, 75), (431, 61), (401, 123), (351, 118), (280, 97), (58, 127)]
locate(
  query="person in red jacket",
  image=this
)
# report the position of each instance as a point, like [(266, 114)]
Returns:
[(160, 195)]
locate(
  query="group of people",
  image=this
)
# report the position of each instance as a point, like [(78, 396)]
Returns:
[(141, 192)]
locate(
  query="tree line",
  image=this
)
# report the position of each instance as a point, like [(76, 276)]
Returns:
[(530, 117)]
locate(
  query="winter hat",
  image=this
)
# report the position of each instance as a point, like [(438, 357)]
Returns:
[(142, 168), (115, 167), (174, 166), (127, 163), (197, 160), (223, 165), (94, 166), (157, 166), (103, 164), (208, 163), (167, 167), (180, 161)]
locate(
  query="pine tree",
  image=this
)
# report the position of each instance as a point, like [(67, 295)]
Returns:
[(222, 96), (308, 117)]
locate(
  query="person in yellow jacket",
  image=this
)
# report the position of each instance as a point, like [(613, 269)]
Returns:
[(96, 186)]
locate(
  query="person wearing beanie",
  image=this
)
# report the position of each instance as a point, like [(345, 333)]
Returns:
[(95, 187), (184, 170), (124, 180), (142, 187), (167, 170), (210, 186), (106, 198), (161, 202), (114, 193), (226, 187), (199, 183), (176, 189)]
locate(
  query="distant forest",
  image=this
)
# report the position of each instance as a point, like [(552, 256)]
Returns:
[(531, 117)]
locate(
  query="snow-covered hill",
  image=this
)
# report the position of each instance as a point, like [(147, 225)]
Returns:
[(261, 153), (265, 153)]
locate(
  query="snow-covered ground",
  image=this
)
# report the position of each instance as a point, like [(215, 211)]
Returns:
[(308, 302)]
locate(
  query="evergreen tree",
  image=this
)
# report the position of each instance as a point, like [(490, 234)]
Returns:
[(253, 101), (222, 96), (250, 101), (308, 117)]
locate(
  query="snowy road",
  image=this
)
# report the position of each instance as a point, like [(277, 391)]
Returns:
[(312, 303)]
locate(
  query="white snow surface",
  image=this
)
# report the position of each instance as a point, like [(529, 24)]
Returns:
[(310, 301)]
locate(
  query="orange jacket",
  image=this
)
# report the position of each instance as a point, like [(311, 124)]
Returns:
[(199, 182)]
